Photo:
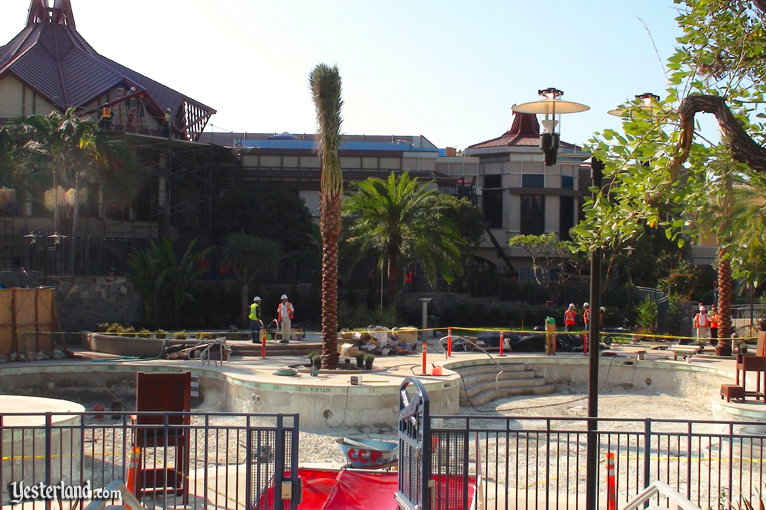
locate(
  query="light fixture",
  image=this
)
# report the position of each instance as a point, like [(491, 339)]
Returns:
[(550, 105), (56, 237), (646, 101), (32, 238)]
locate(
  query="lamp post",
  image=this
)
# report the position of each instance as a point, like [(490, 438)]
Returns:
[(629, 251), (591, 483), (551, 105), (55, 238), (30, 249)]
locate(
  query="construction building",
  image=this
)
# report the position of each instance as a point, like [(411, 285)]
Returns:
[(50, 66)]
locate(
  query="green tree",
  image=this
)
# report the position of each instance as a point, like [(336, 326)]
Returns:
[(163, 279), (72, 152), (401, 220), (658, 172), (550, 260), (325, 84), (249, 257), (267, 212)]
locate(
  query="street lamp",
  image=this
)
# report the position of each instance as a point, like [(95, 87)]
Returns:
[(629, 251), (646, 101), (32, 242), (551, 105), (56, 239), (591, 483)]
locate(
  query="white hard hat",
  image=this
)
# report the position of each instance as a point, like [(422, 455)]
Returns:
[(586, 304), (571, 305), (256, 298), (284, 296), (603, 309)]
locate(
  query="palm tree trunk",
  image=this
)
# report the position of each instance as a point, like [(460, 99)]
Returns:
[(330, 228), (394, 276), (75, 217), (724, 304)]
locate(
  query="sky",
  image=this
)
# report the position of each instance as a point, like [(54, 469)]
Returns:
[(447, 70)]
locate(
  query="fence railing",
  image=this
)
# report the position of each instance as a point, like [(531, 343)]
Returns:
[(524, 462), (194, 460)]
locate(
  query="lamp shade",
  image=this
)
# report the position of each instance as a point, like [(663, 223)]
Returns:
[(550, 107)]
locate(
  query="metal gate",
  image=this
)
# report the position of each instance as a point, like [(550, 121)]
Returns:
[(414, 446), (434, 467)]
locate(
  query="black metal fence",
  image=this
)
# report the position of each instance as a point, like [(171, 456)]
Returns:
[(521, 462), (194, 460)]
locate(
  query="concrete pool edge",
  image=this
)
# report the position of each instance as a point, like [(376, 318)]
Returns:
[(250, 386)]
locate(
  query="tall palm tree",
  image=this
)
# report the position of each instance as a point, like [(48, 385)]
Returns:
[(325, 86), (401, 220)]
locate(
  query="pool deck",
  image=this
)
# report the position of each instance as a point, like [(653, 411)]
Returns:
[(250, 384)]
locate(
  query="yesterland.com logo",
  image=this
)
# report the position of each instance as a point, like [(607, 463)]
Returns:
[(21, 491)]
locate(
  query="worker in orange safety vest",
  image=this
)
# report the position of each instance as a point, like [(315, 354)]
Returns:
[(285, 314), (702, 323), (570, 317)]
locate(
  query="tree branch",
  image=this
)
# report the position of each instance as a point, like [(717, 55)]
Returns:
[(743, 148)]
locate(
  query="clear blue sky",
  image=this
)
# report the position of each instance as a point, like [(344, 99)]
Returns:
[(449, 70)]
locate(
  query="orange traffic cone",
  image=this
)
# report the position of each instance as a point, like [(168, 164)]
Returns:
[(134, 473)]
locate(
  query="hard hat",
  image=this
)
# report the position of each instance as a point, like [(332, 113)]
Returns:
[(586, 304), (571, 305), (284, 296), (603, 309), (256, 298)]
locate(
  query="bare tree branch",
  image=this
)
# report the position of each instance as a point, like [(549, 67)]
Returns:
[(743, 148)]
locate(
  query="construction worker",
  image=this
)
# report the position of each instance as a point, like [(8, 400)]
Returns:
[(586, 322), (256, 324), (166, 123), (105, 121), (702, 323), (570, 317), (285, 314), (714, 319)]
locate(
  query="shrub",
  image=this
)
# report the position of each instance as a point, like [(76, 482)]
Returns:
[(646, 316), (180, 335)]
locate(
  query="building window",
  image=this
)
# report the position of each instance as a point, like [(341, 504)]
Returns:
[(533, 181), (567, 182), (492, 200), (532, 214), (566, 217)]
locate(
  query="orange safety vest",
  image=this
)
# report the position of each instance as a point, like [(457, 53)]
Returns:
[(586, 316), (570, 317), (290, 310), (714, 321), (701, 320)]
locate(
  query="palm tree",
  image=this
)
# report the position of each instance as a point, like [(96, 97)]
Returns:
[(164, 279), (76, 153), (325, 86), (402, 220), (248, 257)]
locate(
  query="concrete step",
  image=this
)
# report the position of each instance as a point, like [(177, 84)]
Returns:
[(501, 385), (490, 395), (480, 377), (486, 368)]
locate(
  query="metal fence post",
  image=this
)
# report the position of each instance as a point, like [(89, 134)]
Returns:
[(279, 461), (248, 462), (297, 490), (48, 454), (647, 451)]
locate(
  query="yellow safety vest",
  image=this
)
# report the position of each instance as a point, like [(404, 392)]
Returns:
[(255, 312)]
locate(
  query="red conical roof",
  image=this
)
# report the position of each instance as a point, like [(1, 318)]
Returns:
[(50, 56)]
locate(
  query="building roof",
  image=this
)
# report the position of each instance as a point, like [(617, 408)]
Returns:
[(524, 132), (285, 140), (50, 56)]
